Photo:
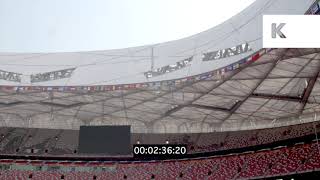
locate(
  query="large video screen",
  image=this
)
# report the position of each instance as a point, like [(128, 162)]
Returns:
[(108, 140)]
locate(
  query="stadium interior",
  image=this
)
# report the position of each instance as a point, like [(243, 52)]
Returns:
[(253, 117)]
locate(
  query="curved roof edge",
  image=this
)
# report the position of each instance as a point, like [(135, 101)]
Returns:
[(167, 61)]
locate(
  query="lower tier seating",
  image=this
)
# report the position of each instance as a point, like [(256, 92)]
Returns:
[(281, 161)]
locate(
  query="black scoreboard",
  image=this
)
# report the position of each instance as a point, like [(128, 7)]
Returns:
[(106, 140)]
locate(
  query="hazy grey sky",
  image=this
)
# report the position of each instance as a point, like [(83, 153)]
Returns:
[(78, 25)]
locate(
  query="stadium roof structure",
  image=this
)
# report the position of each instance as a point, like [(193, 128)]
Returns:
[(218, 80)]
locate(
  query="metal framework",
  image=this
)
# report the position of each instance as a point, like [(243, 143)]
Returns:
[(282, 85)]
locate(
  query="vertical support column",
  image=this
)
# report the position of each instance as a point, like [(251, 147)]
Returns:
[(152, 59)]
